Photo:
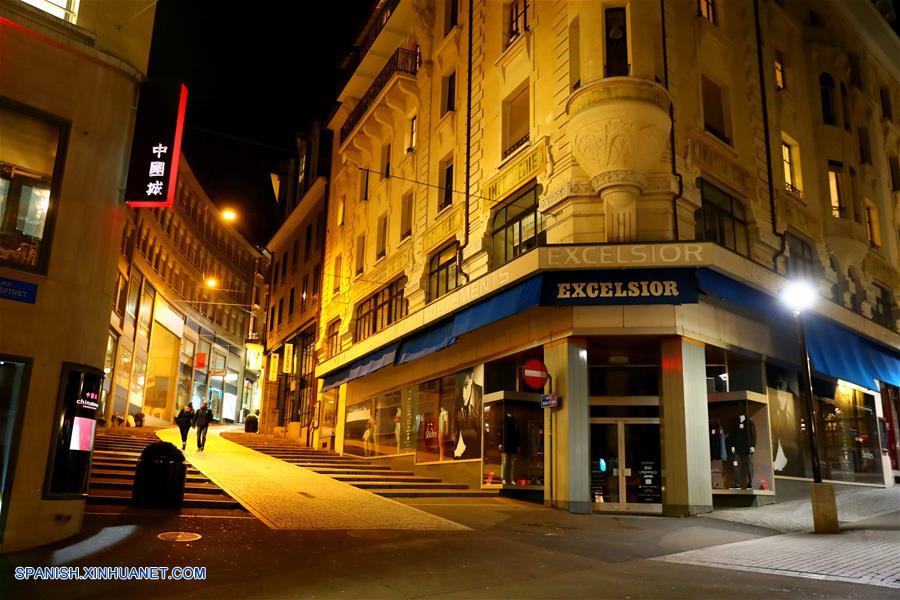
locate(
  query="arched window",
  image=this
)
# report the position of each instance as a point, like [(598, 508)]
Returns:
[(826, 87), (845, 104)]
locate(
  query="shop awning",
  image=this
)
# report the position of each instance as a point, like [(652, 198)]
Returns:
[(840, 353), (505, 304), (361, 367), (834, 350), (426, 342)]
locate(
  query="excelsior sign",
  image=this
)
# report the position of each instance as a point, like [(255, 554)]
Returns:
[(631, 286), (156, 146)]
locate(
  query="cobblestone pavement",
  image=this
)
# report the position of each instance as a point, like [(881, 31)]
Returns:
[(868, 556), (285, 496)]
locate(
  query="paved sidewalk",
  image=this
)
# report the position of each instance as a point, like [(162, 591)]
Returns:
[(796, 516), (867, 556), (285, 496)]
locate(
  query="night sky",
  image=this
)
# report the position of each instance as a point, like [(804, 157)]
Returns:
[(260, 72)]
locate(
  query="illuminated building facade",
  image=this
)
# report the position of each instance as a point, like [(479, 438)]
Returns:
[(63, 149), (618, 190)]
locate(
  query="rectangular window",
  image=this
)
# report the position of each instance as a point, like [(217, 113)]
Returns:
[(381, 309), (721, 219), (14, 376), (284, 263), (406, 210), (707, 9), (304, 294), (381, 239), (385, 161), (32, 150), (121, 293), (873, 225), (788, 161), (886, 110), (291, 302), (451, 15), (332, 337), (516, 22), (835, 192), (308, 242), (882, 312), (363, 185), (616, 42), (271, 319), (280, 311), (516, 120), (779, 71), (336, 275), (62, 9), (574, 54), (516, 227), (317, 274), (448, 93), (445, 198), (800, 261), (894, 164), (413, 135), (865, 149), (340, 210), (360, 254), (295, 252), (443, 275), (714, 109)]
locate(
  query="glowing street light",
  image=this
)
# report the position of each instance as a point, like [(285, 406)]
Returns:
[(799, 296), (229, 215), (211, 282)]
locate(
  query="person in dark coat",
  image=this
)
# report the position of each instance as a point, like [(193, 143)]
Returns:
[(509, 447), (185, 420), (202, 418)]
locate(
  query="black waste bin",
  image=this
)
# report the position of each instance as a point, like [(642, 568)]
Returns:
[(251, 424), (159, 477)]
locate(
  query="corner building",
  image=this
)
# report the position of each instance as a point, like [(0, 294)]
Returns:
[(619, 190)]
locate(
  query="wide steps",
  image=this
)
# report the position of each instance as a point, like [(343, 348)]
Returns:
[(388, 477), (431, 493), (123, 497), (383, 484), (102, 473), (119, 484), (370, 472)]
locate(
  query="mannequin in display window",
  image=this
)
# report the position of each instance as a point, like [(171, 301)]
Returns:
[(743, 445), (397, 416), (509, 447)]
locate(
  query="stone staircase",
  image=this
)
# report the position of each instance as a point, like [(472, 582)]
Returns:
[(364, 474), (114, 461)]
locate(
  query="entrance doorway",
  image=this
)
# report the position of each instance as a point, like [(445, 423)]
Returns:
[(626, 469)]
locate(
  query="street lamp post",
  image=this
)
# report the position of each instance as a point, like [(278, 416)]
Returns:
[(800, 296)]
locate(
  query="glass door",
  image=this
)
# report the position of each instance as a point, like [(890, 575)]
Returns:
[(625, 465)]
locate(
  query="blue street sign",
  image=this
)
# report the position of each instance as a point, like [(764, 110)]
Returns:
[(20, 291)]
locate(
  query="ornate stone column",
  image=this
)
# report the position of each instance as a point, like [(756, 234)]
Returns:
[(619, 129)]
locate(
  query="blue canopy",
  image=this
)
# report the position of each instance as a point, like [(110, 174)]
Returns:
[(505, 304), (842, 354), (361, 367), (426, 342)]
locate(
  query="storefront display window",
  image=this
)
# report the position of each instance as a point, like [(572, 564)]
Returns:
[(145, 316), (513, 442), (108, 363), (138, 380), (739, 443), (32, 147), (13, 386), (439, 420), (849, 433), (185, 368)]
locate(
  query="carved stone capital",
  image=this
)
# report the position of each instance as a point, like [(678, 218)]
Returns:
[(620, 178)]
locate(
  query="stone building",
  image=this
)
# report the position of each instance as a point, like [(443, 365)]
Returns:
[(620, 191)]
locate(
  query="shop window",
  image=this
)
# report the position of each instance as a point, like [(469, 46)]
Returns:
[(360, 254), (448, 93), (445, 198), (826, 92), (800, 261), (616, 43), (32, 150), (835, 191), (886, 110), (516, 119), (516, 20), (443, 272), (780, 80), (721, 219), (383, 308), (14, 375), (882, 306), (714, 114), (517, 227), (332, 338), (873, 225), (865, 148), (381, 239), (708, 10), (406, 215), (849, 445), (513, 444)]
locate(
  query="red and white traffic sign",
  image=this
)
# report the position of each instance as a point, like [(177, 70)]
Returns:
[(534, 374)]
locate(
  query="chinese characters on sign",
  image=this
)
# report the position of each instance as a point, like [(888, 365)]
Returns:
[(156, 147)]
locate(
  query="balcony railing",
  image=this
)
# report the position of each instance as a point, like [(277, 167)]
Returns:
[(516, 145), (377, 24), (402, 61), (790, 188)]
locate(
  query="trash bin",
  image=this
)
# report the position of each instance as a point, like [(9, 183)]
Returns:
[(251, 424), (159, 477)]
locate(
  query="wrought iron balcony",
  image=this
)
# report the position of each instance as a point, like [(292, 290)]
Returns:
[(792, 189), (402, 61), (516, 145)]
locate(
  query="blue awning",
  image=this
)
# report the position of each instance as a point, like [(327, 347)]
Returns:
[(739, 294), (842, 354), (505, 304), (361, 367), (426, 342)]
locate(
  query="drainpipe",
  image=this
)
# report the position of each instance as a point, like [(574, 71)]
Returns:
[(765, 115), (662, 12), (459, 252)]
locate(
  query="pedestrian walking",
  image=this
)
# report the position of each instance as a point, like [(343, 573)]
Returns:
[(185, 420), (202, 418)]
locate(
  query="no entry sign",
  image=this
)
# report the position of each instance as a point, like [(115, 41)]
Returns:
[(534, 374)]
